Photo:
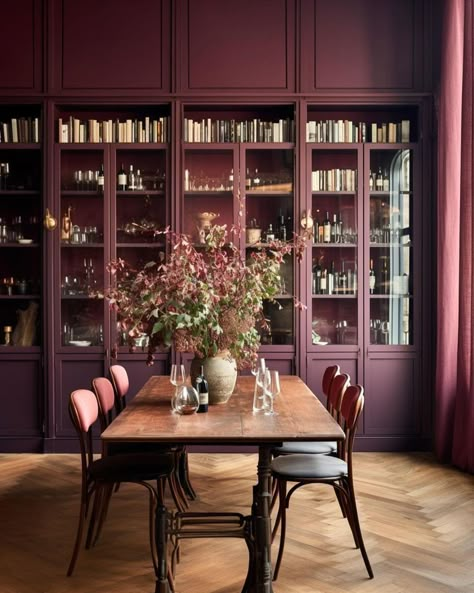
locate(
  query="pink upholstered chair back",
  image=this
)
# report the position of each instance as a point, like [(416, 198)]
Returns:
[(84, 408), (105, 395), (121, 385)]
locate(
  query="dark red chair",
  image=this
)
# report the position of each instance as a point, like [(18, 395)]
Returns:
[(336, 471)]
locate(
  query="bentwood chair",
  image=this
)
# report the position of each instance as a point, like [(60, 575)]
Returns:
[(100, 475), (104, 392), (324, 469), (121, 384), (334, 397)]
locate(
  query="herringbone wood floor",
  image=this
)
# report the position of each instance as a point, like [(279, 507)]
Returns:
[(417, 519)]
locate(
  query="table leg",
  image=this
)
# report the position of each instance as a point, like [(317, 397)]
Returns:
[(262, 525), (162, 583)]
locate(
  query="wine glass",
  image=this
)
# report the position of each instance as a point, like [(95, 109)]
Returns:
[(271, 390), (177, 378), (258, 363)]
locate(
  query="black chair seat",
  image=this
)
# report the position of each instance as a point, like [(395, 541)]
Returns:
[(308, 467), (132, 467), (314, 447)]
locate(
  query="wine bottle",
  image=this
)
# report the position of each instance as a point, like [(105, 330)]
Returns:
[(324, 281), (334, 229), (100, 180), (371, 181), (270, 234), (248, 181), (385, 277), (327, 229), (256, 180), (379, 180), (331, 275), (131, 179), (317, 278), (122, 179), (342, 280), (202, 388), (281, 227), (372, 278), (385, 181)]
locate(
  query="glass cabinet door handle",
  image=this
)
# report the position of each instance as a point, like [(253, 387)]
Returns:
[(50, 223)]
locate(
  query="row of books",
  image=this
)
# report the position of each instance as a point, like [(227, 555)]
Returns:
[(130, 130), (334, 180), (254, 130), (333, 130), (21, 129)]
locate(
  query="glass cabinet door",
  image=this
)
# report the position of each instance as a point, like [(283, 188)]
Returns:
[(210, 175), (82, 239), (268, 175), (141, 210), (20, 244), (390, 222), (333, 213)]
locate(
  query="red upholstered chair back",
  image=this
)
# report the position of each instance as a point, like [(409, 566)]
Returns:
[(328, 377), (351, 409), (121, 385), (336, 393)]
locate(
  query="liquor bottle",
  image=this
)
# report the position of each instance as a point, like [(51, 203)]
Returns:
[(248, 181), (131, 179), (372, 278), (385, 277), (371, 181), (289, 226), (202, 388), (326, 229), (331, 274), (100, 180), (339, 230), (270, 234), (379, 180), (334, 229), (342, 280), (139, 180), (385, 181), (317, 278), (122, 179), (324, 281), (231, 180), (281, 227), (255, 181)]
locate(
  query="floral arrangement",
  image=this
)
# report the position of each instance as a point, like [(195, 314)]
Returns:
[(204, 298)]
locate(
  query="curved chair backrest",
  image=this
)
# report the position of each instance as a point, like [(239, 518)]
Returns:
[(121, 385), (351, 408), (336, 394), (84, 411), (105, 395), (328, 377)]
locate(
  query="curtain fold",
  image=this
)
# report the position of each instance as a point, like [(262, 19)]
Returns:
[(454, 398)]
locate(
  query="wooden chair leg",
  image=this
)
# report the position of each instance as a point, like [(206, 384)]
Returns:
[(357, 529), (184, 475), (282, 514), (103, 510), (79, 533), (341, 501)]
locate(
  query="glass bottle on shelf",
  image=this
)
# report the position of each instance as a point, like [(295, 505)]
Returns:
[(326, 229), (372, 277), (122, 179), (100, 180)]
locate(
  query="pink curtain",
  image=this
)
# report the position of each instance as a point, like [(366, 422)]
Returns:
[(454, 407)]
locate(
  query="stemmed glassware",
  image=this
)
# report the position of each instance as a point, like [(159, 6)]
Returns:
[(178, 379), (271, 390)]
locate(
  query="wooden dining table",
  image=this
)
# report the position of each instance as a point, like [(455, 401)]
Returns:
[(299, 416)]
